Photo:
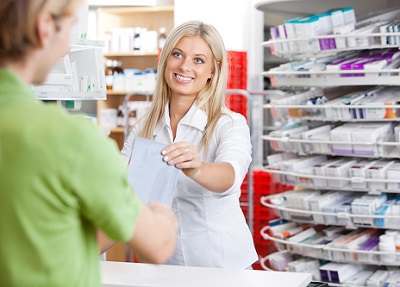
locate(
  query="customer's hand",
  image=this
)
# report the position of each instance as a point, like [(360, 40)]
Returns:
[(184, 156)]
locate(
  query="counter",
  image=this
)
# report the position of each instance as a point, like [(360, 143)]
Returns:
[(121, 274)]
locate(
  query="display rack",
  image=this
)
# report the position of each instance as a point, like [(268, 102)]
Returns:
[(347, 219), (120, 16), (297, 147), (304, 179), (342, 255), (384, 77), (266, 264), (312, 42)]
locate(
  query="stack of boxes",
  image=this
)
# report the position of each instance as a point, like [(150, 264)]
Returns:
[(237, 79), (263, 184)]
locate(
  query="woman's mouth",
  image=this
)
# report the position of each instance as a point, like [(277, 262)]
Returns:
[(182, 79)]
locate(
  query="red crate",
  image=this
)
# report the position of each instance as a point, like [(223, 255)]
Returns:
[(237, 103), (265, 248), (237, 70)]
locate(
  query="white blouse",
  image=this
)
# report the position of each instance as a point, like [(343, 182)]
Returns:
[(212, 228)]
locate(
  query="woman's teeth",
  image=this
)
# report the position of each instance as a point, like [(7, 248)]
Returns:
[(183, 78)]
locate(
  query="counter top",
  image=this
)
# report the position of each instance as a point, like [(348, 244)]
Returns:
[(121, 274)]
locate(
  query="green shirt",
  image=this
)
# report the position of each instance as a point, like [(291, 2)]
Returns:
[(60, 180)]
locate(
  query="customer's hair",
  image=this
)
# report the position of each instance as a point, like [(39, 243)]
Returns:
[(18, 27), (211, 98)]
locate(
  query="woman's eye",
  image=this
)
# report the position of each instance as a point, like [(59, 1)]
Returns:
[(176, 54), (198, 60)]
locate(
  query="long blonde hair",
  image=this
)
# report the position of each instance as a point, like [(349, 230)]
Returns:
[(211, 98)]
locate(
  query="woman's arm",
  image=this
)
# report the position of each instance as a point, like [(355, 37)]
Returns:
[(232, 157), (216, 177)]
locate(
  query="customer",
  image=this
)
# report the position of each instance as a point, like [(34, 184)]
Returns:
[(60, 180), (207, 142)]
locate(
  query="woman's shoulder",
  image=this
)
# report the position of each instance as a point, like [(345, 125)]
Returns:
[(230, 117)]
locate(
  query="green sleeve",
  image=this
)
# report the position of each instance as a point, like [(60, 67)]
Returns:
[(101, 184)]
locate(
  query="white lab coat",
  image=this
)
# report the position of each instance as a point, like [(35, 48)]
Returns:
[(212, 228)]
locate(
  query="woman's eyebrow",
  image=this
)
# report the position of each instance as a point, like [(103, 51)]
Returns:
[(177, 49)]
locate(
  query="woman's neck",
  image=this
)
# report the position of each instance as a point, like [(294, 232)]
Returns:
[(178, 107)]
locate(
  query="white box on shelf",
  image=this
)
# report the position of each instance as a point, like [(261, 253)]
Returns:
[(378, 171)]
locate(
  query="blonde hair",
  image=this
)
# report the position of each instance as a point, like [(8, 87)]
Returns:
[(211, 98), (18, 32)]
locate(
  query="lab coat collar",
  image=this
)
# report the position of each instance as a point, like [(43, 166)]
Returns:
[(195, 117)]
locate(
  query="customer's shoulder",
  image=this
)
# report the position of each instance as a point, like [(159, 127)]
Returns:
[(75, 129)]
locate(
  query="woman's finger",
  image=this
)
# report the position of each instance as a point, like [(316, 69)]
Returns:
[(173, 147), (174, 154), (182, 158)]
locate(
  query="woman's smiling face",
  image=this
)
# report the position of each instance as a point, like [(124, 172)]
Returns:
[(189, 66)]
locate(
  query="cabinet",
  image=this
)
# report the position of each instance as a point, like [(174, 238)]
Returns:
[(118, 26), (131, 35), (343, 208)]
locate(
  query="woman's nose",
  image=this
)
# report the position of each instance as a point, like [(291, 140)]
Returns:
[(186, 65)]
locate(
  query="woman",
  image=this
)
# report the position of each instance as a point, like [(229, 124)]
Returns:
[(207, 142)]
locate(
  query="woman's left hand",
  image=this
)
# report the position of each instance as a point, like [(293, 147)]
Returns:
[(184, 156)]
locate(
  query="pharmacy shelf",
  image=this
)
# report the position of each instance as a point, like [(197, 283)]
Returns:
[(277, 11), (130, 54), (124, 93), (306, 181), (264, 262), (322, 117), (71, 96), (346, 219), (343, 120), (84, 44), (117, 93), (388, 77), (307, 147), (132, 9), (329, 142), (308, 47), (307, 7), (326, 252)]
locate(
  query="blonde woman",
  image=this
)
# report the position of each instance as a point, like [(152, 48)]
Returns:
[(207, 142)]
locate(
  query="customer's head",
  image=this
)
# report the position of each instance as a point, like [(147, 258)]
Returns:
[(193, 64), (35, 33)]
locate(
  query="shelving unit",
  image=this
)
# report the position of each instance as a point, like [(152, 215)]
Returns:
[(342, 255), (150, 17), (385, 77), (276, 12), (346, 219), (119, 16), (305, 180)]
